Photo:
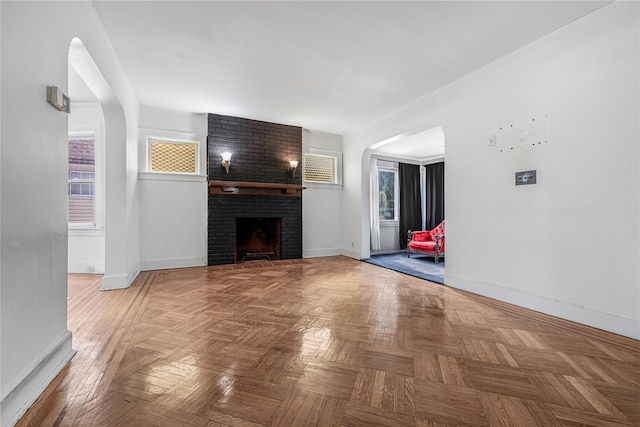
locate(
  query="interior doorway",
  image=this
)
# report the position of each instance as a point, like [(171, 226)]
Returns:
[(406, 184), (110, 229), (86, 177)]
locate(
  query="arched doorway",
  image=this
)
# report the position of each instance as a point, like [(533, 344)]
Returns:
[(416, 156), (86, 243), (112, 203)]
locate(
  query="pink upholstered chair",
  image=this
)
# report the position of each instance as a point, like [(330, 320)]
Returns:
[(429, 242)]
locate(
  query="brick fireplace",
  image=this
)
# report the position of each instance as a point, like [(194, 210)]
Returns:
[(255, 211)]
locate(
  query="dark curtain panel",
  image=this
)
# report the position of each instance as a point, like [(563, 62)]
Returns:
[(410, 206), (435, 194)]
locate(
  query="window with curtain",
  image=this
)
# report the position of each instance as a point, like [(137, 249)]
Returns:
[(434, 192), (410, 201), (387, 190)]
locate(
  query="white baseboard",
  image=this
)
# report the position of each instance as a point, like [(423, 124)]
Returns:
[(18, 396), (120, 281), (163, 264), (314, 253), (133, 273), (564, 309), (395, 251), (115, 281), (85, 268), (351, 253)]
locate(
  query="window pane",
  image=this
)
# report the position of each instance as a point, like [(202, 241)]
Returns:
[(319, 168), (74, 189), (82, 166), (173, 157), (386, 183), (87, 189)]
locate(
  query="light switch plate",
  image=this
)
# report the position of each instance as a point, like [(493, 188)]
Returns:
[(526, 177)]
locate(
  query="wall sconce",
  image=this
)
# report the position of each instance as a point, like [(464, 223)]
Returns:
[(58, 99), (226, 160), (293, 164)]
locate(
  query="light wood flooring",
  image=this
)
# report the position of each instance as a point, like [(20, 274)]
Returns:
[(328, 342)]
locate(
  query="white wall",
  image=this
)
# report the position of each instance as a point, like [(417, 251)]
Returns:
[(389, 240), (321, 204), (34, 340), (173, 208), (86, 247), (569, 245)]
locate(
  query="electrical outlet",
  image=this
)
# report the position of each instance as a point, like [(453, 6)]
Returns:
[(91, 267), (526, 177)]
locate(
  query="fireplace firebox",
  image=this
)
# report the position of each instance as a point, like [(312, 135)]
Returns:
[(258, 239)]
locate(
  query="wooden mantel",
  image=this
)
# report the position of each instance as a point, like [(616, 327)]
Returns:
[(254, 189)]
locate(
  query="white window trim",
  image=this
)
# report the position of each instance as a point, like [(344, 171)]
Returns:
[(396, 199), (146, 135), (337, 155), (171, 176), (77, 229)]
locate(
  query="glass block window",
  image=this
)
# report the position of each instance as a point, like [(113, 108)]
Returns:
[(173, 156), (318, 168)]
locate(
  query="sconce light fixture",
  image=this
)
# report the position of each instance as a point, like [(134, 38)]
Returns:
[(226, 160), (58, 99), (293, 164)]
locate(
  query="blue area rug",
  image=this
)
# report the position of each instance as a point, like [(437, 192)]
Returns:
[(417, 266)]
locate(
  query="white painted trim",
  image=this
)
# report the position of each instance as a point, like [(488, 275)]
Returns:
[(337, 155), (393, 251), (324, 185), (99, 180), (146, 134), (351, 253), (133, 274), (89, 231), (118, 281), (387, 158), (163, 264), (389, 223), (18, 396), (563, 309), (432, 160), (314, 253), (167, 176), (83, 267)]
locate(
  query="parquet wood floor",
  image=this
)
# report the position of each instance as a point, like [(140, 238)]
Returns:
[(328, 342)]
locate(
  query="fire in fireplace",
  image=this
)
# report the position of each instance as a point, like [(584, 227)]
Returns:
[(258, 239)]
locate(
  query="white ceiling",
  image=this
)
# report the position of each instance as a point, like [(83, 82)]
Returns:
[(328, 66), (419, 146)]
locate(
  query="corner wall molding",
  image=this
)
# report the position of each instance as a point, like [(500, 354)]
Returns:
[(19, 395)]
